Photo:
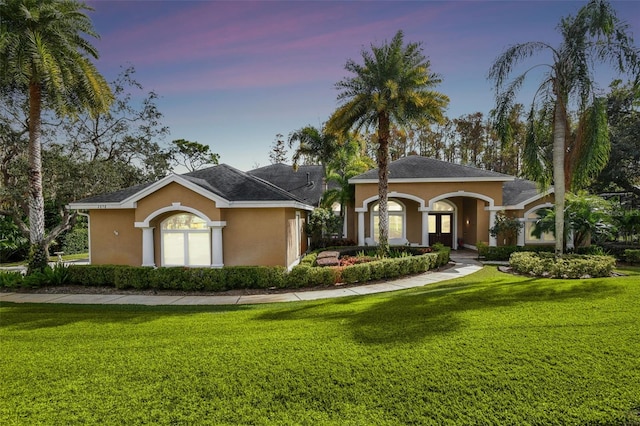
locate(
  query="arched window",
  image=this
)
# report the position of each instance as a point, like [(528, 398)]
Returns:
[(186, 241), (397, 220), (442, 206), (530, 220)]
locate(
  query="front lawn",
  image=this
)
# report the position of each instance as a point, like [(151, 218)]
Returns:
[(488, 348)]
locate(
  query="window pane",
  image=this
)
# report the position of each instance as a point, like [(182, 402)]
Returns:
[(395, 226), (432, 224), (441, 206), (392, 206), (184, 221), (199, 248), (173, 248), (445, 224)]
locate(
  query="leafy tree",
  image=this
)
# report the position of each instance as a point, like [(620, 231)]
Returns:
[(506, 227), (192, 155), (393, 85), (278, 153), (348, 161), (587, 216), (595, 34), (622, 172), (82, 155), (44, 53), (314, 144)]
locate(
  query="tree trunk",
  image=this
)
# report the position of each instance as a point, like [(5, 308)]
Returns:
[(38, 245), (559, 135), (383, 182)]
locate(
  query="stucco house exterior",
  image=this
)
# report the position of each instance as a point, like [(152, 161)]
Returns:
[(212, 217), (436, 201), (222, 216)]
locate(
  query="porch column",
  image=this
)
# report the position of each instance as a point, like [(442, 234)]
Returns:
[(360, 228), (492, 222), (148, 255), (425, 228), (217, 260), (521, 232)]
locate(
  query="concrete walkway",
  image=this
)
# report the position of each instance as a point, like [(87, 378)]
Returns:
[(463, 266)]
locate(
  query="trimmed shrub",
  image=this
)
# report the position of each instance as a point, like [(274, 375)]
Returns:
[(94, 275), (254, 276), (133, 277), (76, 241), (358, 273), (568, 266), (322, 277), (632, 256)]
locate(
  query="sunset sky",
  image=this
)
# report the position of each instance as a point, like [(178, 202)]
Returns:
[(232, 75)]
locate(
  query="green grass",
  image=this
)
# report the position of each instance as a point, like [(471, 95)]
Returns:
[(65, 258), (488, 348)]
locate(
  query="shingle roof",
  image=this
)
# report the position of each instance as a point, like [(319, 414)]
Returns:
[(518, 191), (222, 180), (304, 183), (424, 168)]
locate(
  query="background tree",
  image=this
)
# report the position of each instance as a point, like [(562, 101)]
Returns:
[(393, 85), (278, 153), (622, 172), (316, 145), (81, 156), (44, 52), (350, 160), (595, 34), (192, 155)]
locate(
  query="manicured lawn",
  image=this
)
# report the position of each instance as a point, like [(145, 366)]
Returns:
[(489, 348)]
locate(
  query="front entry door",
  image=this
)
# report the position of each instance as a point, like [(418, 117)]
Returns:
[(441, 228)]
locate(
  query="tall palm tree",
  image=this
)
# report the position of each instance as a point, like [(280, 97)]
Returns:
[(595, 34), (44, 53), (393, 85), (314, 144)]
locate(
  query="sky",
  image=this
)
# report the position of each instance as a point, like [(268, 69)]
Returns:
[(234, 74)]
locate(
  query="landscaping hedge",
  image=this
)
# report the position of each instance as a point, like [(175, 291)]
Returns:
[(233, 277), (632, 256), (502, 253), (566, 266)]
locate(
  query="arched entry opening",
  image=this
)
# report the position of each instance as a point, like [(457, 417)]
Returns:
[(441, 223)]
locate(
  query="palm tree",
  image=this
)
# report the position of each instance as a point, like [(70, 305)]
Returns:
[(43, 53), (347, 163), (314, 144), (393, 86), (595, 34)]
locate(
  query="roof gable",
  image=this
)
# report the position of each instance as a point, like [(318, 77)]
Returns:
[(223, 184), (304, 183)]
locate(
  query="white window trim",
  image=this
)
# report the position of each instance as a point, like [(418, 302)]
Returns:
[(185, 233), (526, 220)]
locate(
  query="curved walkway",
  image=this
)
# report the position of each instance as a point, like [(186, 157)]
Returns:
[(463, 266)]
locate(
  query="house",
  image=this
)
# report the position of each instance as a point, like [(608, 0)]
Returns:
[(432, 201), (212, 217), (222, 216)]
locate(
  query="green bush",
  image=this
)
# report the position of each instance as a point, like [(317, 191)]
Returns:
[(94, 275), (233, 277), (76, 241), (11, 279), (632, 256), (358, 273), (134, 277), (567, 266)]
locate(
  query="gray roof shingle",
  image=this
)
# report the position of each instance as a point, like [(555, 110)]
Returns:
[(304, 183), (418, 167), (222, 180)]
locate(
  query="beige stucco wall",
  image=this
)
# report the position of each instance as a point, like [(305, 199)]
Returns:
[(114, 239), (176, 193), (255, 237), (429, 190)]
